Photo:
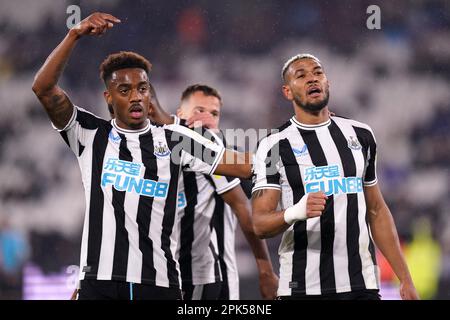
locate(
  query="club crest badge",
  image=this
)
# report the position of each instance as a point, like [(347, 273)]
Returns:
[(161, 150), (353, 143)]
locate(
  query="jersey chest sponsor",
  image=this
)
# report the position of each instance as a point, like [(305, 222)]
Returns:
[(329, 180), (126, 176)]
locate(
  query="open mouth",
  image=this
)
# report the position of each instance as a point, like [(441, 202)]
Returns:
[(136, 111), (314, 92)]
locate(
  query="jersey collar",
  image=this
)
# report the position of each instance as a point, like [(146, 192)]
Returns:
[(310, 126), (128, 131)]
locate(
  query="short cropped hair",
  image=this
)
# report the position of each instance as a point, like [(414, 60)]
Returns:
[(295, 58), (122, 60), (206, 90)]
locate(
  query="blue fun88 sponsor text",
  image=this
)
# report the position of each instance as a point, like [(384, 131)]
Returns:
[(125, 176), (329, 180)]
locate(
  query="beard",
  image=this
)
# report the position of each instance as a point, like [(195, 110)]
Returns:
[(313, 108)]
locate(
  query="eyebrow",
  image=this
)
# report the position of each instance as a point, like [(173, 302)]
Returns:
[(302, 69), (128, 84)]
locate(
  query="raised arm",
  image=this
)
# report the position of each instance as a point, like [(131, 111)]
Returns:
[(45, 85), (268, 280), (385, 236)]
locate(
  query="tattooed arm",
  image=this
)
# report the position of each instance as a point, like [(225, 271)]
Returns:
[(51, 96), (267, 221)]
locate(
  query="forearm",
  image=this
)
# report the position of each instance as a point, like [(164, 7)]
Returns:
[(386, 238), (235, 164), (47, 77), (268, 224)]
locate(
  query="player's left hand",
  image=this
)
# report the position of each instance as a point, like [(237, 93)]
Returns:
[(268, 285), (408, 291)]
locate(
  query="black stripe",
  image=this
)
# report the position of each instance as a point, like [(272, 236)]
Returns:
[(169, 218), (64, 136), (367, 141), (144, 214), (327, 279), (300, 237), (218, 221), (121, 245), (89, 121), (96, 203), (187, 226), (273, 156), (80, 149), (349, 168)]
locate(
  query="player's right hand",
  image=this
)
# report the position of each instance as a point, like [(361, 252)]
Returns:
[(315, 204), (96, 24), (203, 119)]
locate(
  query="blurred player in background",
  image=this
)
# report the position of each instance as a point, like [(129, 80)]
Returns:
[(322, 171), (207, 248)]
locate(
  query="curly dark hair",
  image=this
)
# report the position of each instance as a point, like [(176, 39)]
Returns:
[(206, 90), (122, 60)]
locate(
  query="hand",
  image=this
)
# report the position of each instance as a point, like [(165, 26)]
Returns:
[(315, 204), (96, 24), (268, 285), (202, 119), (408, 291)]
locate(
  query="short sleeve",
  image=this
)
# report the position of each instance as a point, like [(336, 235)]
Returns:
[(266, 166), (76, 132)]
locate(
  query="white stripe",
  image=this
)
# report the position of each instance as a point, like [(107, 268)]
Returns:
[(134, 264), (286, 251), (105, 266), (197, 292), (340, 252), (229, 252)]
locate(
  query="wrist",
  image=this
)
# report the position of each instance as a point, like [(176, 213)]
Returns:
[(73, 34), (297, 212)]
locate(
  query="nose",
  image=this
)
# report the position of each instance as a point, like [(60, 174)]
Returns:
[(135, 96), (311, 78)]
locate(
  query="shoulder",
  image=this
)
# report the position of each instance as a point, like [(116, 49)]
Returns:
[(275, 135), (350, 122)]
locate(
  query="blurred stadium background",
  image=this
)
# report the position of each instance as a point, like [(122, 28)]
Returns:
[(396, 79)]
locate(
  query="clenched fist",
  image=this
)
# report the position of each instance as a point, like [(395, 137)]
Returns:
[(96, 24)]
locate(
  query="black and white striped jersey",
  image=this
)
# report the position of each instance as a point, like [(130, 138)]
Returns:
[(201, 208), (130, 179), (225, 222), (333, 253)]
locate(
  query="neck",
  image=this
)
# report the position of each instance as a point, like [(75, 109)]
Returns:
[(306, 117)]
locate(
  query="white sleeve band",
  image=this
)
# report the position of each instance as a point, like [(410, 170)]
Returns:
[(297, 212)]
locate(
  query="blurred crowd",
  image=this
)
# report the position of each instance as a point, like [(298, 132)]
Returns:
[(395, 79)]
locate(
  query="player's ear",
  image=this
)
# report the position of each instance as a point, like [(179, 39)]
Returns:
[(108, 100), (287, 92), (179, 113)]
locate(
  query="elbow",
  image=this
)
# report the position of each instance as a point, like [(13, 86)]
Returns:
[(260, 231), (40, 89)]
